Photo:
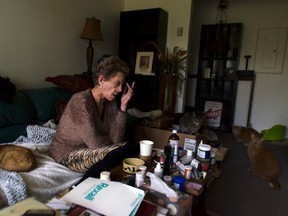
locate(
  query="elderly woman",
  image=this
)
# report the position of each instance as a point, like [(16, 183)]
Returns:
[(91, 130)]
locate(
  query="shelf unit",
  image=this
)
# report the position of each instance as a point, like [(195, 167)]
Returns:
[(218, 61), (137, 28)]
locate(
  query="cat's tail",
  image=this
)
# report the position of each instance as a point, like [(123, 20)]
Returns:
[(274, 184)]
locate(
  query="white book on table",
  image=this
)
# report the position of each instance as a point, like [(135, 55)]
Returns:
[(106, 197)]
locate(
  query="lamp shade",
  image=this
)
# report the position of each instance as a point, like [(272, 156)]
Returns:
[(92, 30)]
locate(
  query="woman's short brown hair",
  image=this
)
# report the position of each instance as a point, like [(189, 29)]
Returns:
[(109, 66)]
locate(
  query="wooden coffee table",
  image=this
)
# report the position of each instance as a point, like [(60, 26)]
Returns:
[(198, 200), (183, 204)]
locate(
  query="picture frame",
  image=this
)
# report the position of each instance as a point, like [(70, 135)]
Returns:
[(144, 62)]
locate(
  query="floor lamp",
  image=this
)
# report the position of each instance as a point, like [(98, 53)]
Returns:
[(91, 31)]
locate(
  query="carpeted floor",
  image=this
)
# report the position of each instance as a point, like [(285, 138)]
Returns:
[(238, 192)]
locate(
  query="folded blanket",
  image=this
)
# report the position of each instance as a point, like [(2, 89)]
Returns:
[(37, 134), (13, 186), (47, 180)]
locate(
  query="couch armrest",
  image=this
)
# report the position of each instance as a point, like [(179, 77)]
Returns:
[(44, 100), (20, 111)]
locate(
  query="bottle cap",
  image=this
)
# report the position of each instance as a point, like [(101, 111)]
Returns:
[(158, 167), (174, 131), (167, 179), (143, 168), (105, 175)]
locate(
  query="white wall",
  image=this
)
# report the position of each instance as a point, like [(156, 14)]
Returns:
[(41, 38), (178, 16), (270, 95)]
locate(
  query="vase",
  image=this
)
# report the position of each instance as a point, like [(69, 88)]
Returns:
[(168, 93)]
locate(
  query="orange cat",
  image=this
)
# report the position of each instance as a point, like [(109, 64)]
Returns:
[(263, 162), (16, 158), (243, 134)]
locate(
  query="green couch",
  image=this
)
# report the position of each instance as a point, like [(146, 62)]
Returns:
[(30, 106)]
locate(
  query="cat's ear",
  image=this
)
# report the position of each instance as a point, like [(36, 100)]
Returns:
[(255, 137), (261, 137)]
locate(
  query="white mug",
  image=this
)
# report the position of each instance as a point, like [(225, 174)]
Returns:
[(146, 147)]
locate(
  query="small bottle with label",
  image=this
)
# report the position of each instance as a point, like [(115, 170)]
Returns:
[(174, 142), (158, 171), (187, 172), (139, 180)]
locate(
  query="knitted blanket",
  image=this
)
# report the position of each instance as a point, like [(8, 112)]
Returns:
[(46, 181), (12, 186), (37, 134), (49, 178)]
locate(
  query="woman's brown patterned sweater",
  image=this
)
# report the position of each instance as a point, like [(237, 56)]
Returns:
[(81, 126)]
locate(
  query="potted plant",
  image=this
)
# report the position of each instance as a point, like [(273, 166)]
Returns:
[(172, 75)]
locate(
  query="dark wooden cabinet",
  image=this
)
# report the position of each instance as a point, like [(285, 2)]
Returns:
[(218, 62), (137, 28)]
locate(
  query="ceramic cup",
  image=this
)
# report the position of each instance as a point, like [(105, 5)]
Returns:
[(146, 147)]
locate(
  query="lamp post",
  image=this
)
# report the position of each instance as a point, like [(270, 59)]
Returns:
[(91, 31)]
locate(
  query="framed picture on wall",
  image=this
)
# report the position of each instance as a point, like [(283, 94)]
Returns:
[(144, 61)]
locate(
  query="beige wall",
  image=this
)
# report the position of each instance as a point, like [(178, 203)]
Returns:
[(270, 95), (41, 38), (178, 16)]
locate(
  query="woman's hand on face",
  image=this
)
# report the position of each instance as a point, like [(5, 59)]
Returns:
[(126, 96)]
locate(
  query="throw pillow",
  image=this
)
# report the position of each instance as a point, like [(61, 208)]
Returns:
[(70, 83), (7, 89)]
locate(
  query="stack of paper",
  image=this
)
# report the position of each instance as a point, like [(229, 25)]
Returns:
[(106, 197)]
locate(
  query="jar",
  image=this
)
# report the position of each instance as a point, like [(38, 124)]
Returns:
[(179, 183), (187, 172), (203, 151)]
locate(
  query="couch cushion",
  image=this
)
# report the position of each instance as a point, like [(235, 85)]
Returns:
[(20, 111), (44, 100), (11, 133)]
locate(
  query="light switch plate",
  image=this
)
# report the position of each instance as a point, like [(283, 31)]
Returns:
[(179, 31)]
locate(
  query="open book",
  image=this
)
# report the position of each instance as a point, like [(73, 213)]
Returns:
[(106, 197)]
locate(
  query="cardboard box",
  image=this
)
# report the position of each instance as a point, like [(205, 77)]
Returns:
[(221, 154), (160, 136)]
